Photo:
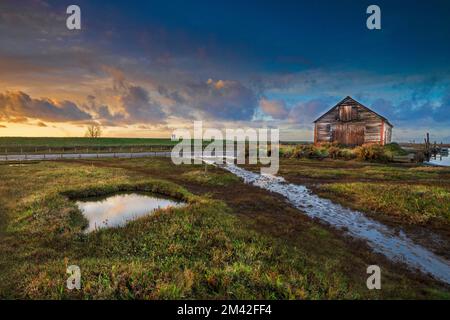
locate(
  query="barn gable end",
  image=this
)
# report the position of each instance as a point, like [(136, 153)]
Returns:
[(351, 123)]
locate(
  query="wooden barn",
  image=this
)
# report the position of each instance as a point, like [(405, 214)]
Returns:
[(351, 123)]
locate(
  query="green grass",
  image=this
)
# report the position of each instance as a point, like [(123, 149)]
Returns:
[(366, 152), (341, 170), (412, 194), (208, 249), (11, 145), (415, 204), (197, 251), (210, 178), (408, 196), (394, 149)]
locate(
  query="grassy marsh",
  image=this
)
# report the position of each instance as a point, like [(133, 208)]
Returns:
[(242, 243)]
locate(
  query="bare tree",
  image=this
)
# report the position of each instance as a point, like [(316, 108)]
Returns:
[(94, 130)]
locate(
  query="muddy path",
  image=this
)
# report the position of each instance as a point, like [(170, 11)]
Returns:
[(433, 235), (396, 246)]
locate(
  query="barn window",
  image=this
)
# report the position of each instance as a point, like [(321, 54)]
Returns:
[(348, 113)]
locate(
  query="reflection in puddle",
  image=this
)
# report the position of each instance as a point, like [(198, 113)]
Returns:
[(117, 210)]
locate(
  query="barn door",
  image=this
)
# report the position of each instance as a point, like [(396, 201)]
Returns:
[(349, 134), (356, 135)]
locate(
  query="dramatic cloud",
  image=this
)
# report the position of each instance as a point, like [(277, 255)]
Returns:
[(18, 106), (139, 107), (415, 111), (136, 104), (159, 67), (217, 100), (102, 113), (306, 112), (228, 100), (274, 108), (442, 113)]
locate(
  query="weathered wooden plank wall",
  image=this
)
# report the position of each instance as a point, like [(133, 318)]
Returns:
[(353, 124)]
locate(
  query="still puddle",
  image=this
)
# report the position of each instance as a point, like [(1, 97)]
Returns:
[(118, 209), (382, 239), (440, 160)]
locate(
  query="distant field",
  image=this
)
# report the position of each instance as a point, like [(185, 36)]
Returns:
[(11, 145), (30, 145), (81, 142)]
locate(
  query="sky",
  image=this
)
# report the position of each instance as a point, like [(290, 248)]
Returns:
[(146, 68)]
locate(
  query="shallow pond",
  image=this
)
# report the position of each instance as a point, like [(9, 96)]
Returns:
[(440, 160), (117, 210)]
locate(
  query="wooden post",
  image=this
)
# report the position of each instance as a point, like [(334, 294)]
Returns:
[(427, 147)]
